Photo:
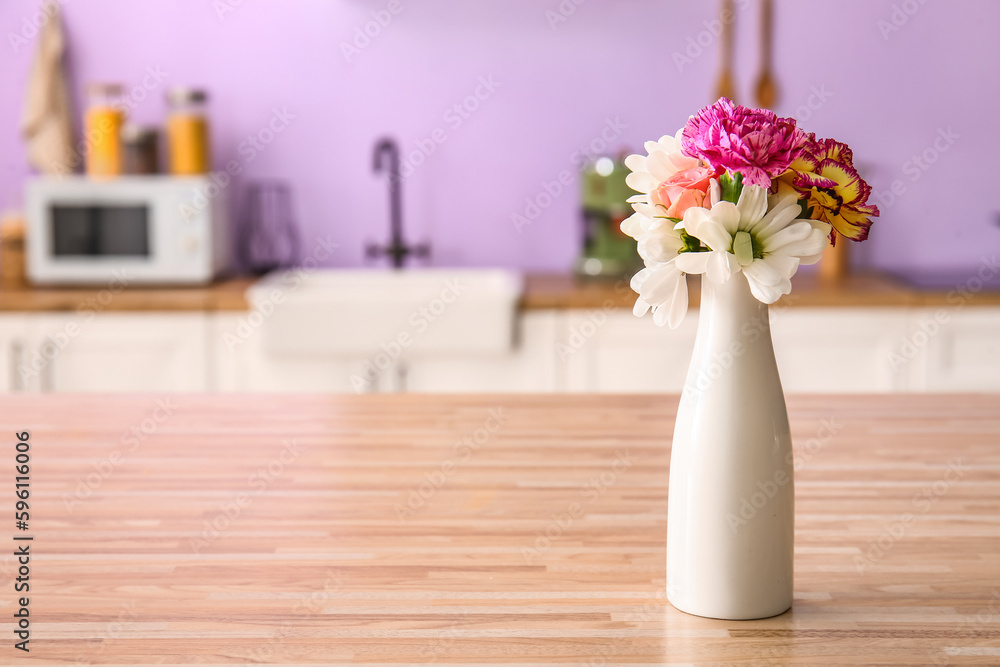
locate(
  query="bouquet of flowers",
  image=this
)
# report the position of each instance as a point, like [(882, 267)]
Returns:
[(738, 190)]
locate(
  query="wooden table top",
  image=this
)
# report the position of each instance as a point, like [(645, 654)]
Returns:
[(494, 529), (541, 291)]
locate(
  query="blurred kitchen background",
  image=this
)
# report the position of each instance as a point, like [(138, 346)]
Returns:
[(506, 122)]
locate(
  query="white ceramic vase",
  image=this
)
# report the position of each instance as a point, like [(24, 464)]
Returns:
[(730, 523)]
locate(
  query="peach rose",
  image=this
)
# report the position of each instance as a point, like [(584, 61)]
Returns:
[(685, 189)]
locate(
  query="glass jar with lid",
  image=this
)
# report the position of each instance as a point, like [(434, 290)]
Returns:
[(187, 131), (140, 149), (102, 129)]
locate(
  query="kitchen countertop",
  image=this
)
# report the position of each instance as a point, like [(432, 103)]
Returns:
[(225, 295), (808, 289), (542, 291), (330, 529)]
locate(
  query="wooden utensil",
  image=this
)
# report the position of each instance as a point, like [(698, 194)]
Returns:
[(724, 87), (836, 263), (767, 89)]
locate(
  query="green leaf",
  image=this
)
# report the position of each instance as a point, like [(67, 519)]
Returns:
[(732, 186), (691, 244)]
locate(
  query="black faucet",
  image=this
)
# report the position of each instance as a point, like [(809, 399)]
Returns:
[(397, 248)]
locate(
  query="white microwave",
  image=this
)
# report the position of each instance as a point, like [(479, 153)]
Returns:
[(159, 230)]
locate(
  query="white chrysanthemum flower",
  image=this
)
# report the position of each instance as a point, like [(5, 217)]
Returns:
[(662, 288), (663, 161), (760, 236), (658, 241), (669, 183)]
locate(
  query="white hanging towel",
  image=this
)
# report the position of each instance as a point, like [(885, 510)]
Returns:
[(46, 121)]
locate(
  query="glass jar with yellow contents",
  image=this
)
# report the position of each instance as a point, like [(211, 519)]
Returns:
[(102, 129), (187, 132)]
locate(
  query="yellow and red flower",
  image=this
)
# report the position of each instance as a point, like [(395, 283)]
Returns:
[(823, 174)]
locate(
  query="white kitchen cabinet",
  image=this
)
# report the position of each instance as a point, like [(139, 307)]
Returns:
[(243, 363), (827, 350), (13, 345), (838, 350), (952, 350), (819, 350), (112, 352), (615, 352), (530, 367)]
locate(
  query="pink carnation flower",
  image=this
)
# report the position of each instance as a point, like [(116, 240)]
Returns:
[(753, 142)]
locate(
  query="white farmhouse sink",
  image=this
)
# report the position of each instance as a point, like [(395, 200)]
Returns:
[(362, 312)]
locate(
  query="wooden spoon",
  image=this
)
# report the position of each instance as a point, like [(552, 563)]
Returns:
[(767, 89), (725, 87)]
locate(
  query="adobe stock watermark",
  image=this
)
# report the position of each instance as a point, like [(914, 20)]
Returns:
[(592, 490), (371, 30), (257, 483), (989, 613), (463, 450), (151, 81), (456, 116), (438, 647), (916, 167), (291, 280), (816, 100), (562, 13), (129, 442), (333, 586), (139, 93), (552, 190), (899, 16), (702, 41), (722, 361), (54, 343), (910, 346), (647, 612), (768, 488), (581, 332), (249, 149), (224, 8), (124, 622), (985, 615), (33, 24), (922, 503), (419, 321), (970, 624)]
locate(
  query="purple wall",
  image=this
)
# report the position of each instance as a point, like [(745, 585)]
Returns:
[(889, 94)]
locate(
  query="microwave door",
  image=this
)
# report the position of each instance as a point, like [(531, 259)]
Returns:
[(96, 231)]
